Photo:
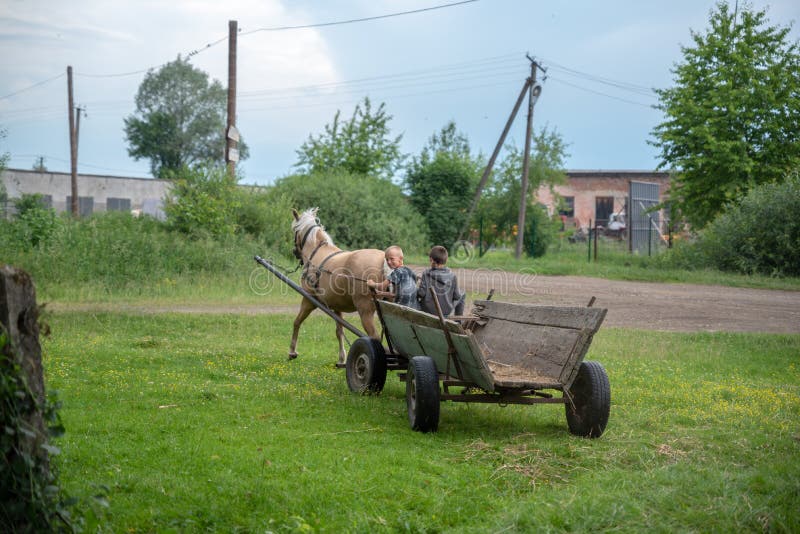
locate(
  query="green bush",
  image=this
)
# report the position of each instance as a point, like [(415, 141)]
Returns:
[(118, 250), (540, 231), (34, 223), (760, 234), (202, 200), (265, 214), (358, 211)]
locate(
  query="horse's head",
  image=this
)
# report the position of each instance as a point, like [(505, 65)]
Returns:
[(309, 234)]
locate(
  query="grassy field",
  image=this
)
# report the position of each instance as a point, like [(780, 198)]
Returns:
[(198, 423)]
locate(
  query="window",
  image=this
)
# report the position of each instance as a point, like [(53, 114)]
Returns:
[(85, 205), (118, 204), (567, 207)]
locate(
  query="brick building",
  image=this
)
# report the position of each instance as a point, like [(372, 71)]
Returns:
[(595, 195)]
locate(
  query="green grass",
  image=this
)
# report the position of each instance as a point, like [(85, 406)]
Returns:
[(198, 423)]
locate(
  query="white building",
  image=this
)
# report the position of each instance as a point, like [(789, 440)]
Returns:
[(95, 192)]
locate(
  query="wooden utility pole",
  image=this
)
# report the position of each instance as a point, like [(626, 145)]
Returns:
[(488, 170), (526, 159), (73, 145), (231, 133)]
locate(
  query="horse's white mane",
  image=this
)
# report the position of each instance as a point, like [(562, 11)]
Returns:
[(307, 220)]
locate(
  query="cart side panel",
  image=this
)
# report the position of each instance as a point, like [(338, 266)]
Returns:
[(542, 350), (470, 360), (573, 317), (542, 343), (571, 369), (400, 332)]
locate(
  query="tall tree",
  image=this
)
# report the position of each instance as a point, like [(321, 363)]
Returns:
[(179, 119), (733, 115), (360, 145), (441, 182)]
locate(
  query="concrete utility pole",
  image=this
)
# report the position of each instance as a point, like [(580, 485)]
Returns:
[(231, 133), (73, 145), (526, 158)]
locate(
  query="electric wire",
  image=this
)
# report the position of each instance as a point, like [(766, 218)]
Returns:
[(363, 19), (37, 84), (212, 44)]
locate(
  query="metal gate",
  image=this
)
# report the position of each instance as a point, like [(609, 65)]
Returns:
[(644, 226)]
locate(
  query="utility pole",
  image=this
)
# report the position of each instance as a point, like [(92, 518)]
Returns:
[(73, 145), (533, 94), (488, 170), (231, 133)]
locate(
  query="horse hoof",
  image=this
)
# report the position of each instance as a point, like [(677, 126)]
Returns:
[(292, 355)]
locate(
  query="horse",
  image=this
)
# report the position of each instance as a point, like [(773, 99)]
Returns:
[(334, 276)]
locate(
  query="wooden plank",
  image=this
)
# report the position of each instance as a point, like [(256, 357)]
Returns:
[(417, 317), (542, 350), (470, 358), (573, 317), (571, 370), (402, 336)]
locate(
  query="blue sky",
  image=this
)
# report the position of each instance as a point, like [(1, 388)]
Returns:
[(464, 63)]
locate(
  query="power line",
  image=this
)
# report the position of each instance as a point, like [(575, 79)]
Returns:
[(281, 28), (37, 84), (600, 93), (364, 19)]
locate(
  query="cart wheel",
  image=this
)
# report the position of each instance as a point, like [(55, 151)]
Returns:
[(422, 394), (591, 396), (366, 366)]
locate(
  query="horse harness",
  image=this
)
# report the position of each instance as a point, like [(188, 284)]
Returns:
[(313, 280)]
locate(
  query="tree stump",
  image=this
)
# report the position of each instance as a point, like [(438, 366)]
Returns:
[(19, 320)]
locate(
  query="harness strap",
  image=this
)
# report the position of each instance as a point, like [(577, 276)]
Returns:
[(305, 236), (321, 267)]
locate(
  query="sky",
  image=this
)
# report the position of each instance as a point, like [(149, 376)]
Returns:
[(465, 62)]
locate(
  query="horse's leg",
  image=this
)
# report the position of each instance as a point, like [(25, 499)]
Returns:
[(306, 307), (340, 337), (367, 315)]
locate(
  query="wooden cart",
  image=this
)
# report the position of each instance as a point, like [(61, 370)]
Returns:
[(502, 353)]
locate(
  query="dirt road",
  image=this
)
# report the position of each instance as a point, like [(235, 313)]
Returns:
[(652, 306), (645, 305)]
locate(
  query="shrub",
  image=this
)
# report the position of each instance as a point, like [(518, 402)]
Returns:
[(358, 211), (540, 231), (265, 214), (203, 200), (34, 223), (760, 234)]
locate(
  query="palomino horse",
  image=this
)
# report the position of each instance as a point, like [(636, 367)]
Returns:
[(334, 276)]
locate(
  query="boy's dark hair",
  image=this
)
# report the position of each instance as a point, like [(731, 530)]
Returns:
[(438, 254)]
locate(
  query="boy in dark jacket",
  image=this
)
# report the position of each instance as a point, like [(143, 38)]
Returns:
[(444, 283)]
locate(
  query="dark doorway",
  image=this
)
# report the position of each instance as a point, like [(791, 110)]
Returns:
[(603, 208)]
